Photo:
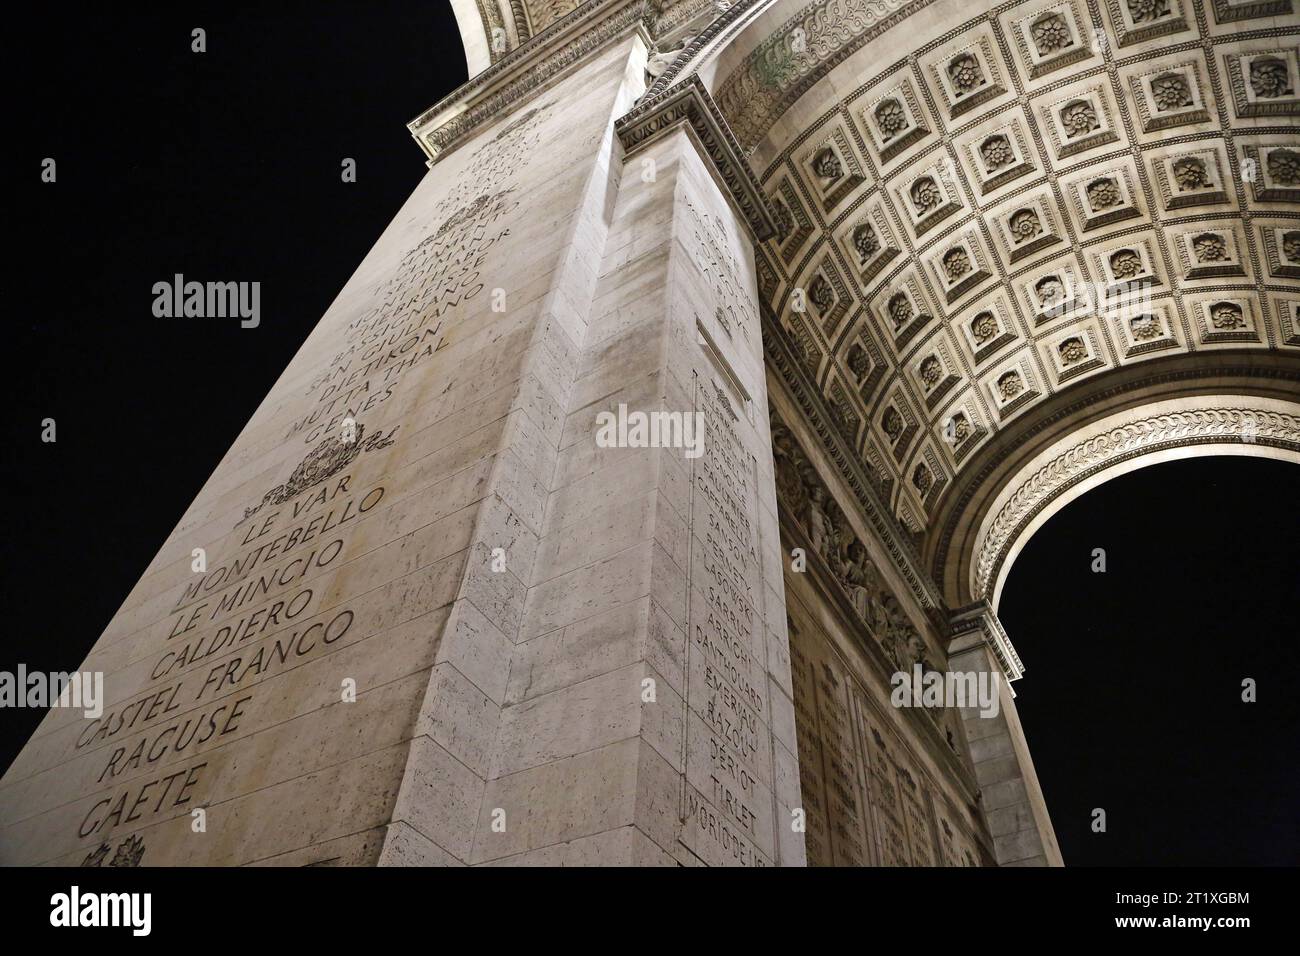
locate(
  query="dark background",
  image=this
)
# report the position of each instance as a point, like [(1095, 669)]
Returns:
[(1131, 699), (222, 166), (226, 166)]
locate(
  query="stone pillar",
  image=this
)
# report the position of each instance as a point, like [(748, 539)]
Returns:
[(648, 717), (1009, 793)]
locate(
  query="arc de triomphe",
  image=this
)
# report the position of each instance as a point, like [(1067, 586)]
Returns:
[(925, 270)]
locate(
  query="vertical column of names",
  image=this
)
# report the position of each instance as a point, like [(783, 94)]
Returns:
[(727, 802)]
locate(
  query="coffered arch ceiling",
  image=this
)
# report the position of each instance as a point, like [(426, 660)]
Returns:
[(991, 213)]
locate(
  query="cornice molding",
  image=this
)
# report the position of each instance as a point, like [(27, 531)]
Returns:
[(980, 618), (689, 104), (798, 54), (688, 58), (525, 69)]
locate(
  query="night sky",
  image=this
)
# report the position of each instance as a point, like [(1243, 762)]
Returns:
[(1131, 700), (222, 166), (226, 166)]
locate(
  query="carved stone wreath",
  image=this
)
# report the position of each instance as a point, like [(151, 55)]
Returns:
[(325, 460)]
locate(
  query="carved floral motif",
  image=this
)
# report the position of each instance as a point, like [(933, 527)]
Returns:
[(1078, 118), (1084, 459), (1072, 351), (859, 361), (892, 422), (1170, 92), (827, 165), (1291, 245), (891, 119), (965, 73), (1103, 194), (956, 263), (1126, 264), (1147, 11), (922, 480), (821, 294), (1284, 167), (997, 152), (865, 242), (1210, 247), (1144, 327), (1190, 173), (931, 371), (1269, 78), (925, 194), (984, 326), (1050, 291), (900, 310), (1010, 384), (1025, 225), (1227, 316), (784, 220), (1051, 34), (961, 428)]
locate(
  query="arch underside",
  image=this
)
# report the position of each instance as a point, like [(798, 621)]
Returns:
[(1001, 224)]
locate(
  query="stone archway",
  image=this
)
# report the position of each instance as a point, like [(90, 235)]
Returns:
[(922, 269), (1119, 444)]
